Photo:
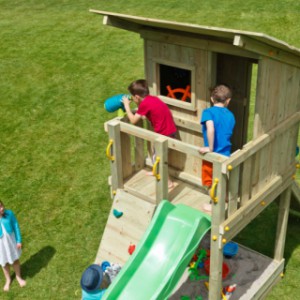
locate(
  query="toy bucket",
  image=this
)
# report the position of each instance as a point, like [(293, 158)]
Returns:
[(114, 103)]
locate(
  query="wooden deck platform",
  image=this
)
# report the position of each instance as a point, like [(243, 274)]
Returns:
[(143, 186)]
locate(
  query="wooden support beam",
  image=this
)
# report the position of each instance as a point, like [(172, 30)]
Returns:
[(253, 45), (282, 223)]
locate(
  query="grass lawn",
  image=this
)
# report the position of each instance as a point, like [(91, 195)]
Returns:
[(57, 65)]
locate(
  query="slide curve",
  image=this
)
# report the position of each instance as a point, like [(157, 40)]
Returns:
[(162, 255)]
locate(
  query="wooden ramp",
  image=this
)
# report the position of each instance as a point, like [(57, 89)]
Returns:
[(128, 229)]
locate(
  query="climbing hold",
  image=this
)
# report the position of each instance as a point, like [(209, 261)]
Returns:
[(131, 249), (229, 167), (117, 213)]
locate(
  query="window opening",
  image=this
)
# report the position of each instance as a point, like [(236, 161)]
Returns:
[(175, 83)]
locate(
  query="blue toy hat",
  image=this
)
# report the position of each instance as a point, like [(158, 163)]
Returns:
[(91, 278)]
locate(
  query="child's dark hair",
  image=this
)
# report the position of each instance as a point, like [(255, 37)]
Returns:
[(139, 88), (221, 92), (2, 204)]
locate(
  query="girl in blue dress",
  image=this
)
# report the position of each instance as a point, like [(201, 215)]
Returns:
[(10, 246)]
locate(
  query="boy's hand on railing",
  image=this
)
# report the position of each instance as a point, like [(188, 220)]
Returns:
[(204, 150)]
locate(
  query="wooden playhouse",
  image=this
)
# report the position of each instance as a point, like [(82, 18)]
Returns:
[(193, 58)]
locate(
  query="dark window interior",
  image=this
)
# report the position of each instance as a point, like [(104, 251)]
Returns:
[(175, 83)]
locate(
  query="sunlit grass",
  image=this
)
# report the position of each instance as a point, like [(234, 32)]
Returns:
[(57, 65)]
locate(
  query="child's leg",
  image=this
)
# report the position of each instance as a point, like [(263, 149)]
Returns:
[(17, 269), (207, 172), (6, 271)]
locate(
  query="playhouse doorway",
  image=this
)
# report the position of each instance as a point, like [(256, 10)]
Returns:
[(237, 72)]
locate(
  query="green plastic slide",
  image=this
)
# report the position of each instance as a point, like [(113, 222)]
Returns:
[(162, 255)]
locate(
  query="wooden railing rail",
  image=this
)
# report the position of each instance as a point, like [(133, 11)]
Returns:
[(172, 143), (254, 146)]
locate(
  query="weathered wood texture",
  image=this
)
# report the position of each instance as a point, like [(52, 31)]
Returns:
[(121, 232)]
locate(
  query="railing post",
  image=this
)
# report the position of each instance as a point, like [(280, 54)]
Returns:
[(139, 152), (217, 242), (161, 159), (115, 163)]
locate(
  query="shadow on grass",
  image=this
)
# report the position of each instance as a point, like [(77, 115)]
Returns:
[(37, 262)]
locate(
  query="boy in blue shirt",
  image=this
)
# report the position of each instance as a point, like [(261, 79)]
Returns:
[(217, 128)]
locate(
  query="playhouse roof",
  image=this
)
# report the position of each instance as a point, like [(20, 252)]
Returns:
[(251, 41)]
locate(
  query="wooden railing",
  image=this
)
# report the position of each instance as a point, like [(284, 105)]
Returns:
[(125, 163)]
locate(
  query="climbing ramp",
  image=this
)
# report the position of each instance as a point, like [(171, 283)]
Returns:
[(162, 255), (127, 222)]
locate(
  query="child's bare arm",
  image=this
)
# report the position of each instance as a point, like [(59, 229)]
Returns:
[(133, 118), (210, 137)]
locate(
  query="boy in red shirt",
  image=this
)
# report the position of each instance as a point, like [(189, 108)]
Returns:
[(150, 107)]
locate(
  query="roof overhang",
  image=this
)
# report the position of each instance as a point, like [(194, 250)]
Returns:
[(254, 42)]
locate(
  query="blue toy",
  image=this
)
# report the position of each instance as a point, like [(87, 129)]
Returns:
[(114, 103), (230, 249)]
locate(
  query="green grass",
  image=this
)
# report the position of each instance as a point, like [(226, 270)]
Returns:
[(57, 65)]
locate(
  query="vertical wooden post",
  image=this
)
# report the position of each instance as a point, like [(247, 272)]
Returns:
[(218, 216), (126, 154), (282, 223), (161, 151), (116, 164), (233, 190), (139, 152)]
